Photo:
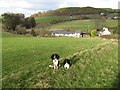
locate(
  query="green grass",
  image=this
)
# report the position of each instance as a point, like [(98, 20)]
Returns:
[(46, 19), (26, 61), (85, 25)]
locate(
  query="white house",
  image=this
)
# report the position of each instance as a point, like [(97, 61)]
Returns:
[(105, 31), (67, 33)]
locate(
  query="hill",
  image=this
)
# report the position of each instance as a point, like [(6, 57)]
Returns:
[(69, 11), (54, 17)]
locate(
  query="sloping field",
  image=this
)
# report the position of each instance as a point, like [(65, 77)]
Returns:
[(46, 19), (85, 25), (26, 61)]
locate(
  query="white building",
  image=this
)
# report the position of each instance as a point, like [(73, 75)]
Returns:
[(105, 31), (67, 33)]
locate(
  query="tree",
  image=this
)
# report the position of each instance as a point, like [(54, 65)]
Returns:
[(20, 30), (29, 22), (11, 20), (33, 33)]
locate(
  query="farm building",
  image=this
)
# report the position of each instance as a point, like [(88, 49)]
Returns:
[(66, 33), (104, 31)]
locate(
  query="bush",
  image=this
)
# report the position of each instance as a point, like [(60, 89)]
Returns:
[(4, 28), (33, 33), (41, 32), (29, 22), (20, 30), (93, 33)]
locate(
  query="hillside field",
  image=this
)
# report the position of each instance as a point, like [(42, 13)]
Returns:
[(46, 19), (85, 25), (26, 60)]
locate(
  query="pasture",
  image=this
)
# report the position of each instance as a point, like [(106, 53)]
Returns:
[(46, 19), (26, 60), (50, 18), (85, 25)]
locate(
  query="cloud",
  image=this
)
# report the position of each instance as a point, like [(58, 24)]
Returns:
[(14, 4), (93, 3)]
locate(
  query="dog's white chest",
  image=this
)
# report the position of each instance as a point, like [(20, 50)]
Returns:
[(66, 65), (55, 62)]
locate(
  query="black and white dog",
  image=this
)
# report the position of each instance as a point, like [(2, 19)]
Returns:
[(67, 63), (55, 59)]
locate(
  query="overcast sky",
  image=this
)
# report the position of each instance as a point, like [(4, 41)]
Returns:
[(29, 7)]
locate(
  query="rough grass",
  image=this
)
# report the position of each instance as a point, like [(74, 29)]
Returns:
[(26, 61), (85, 25), (46, 19), (49, 18)]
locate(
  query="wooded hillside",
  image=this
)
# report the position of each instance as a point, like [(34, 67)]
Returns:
[(69, 11)]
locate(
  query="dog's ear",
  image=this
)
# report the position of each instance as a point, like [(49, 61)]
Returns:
[(58, 56), (52, 56), (65, 61)]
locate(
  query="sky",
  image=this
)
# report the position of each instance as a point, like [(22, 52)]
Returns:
[(29, 7)]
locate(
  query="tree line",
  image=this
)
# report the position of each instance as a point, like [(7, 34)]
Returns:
[(16, 22)]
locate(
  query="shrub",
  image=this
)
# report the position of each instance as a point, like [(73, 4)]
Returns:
[(29, 22), (41, 32), (20, 30), (33, 33), (93, 33)]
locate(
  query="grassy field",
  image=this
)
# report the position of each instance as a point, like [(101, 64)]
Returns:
[(85, 25), (26, 61), (49, 18), (46, 19)]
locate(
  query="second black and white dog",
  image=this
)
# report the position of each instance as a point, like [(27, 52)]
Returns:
[(67, 63), (55, 59)]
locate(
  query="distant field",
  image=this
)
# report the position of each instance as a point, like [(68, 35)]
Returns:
[(26, 59), (49, 18), (86, 25), (46, 19), (77, 24), (52, 18)]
